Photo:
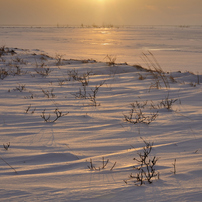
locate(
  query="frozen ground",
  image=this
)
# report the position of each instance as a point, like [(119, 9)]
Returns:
[(175, 47), (48, 160)]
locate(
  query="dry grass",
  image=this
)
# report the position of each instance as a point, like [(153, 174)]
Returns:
[(156, 71), (110, 60)]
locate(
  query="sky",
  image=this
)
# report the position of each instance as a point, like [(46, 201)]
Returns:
[(87, 12)]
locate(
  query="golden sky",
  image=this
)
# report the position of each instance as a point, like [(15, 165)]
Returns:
[(117, 12)]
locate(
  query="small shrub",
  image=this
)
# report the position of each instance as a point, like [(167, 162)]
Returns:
[(141, 77), (89, 61), (110, 60), (61, 82), (19, 60), (58, 59), (82, 94), (167, 103), (172, 79), (83, 78), (4, 51), (42, 70), (48, 94), (58, 114), (136, 114), (18, 70), (31, 96), (3, 73), (20, 88), (92, 97), (73, 74), (145, 170), (29, 109), (192, 84)]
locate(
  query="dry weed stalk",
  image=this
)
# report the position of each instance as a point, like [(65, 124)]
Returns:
[(156, 71), (174, 167), (104, 164), (92, 97), (28, 109)]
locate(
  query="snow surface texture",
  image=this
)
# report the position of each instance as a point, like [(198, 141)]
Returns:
[(48, 159), (175, 47)]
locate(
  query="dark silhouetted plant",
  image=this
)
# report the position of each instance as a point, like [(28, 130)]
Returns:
[(42, 69), (174, 167), (104, 164), (3, 73), (57, 113), (48, 94), (6, 146), (111, 60), (145, 170), (156, 71), (167, 103), (136, 114), (20, 88)]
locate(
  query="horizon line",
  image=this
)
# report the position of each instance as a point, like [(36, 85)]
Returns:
[(91, 25)]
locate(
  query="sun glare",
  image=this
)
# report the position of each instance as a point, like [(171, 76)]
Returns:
[(101, 1)]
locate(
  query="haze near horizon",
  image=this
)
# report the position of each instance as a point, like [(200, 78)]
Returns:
[(117, 12)]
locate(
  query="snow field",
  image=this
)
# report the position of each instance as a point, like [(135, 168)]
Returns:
[(52, 158)]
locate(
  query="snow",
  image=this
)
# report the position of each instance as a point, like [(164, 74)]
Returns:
[(49, 161), (175, 47)]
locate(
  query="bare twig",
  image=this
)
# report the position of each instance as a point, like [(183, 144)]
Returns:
[(174, 166), (113, 166), (8, 164)]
